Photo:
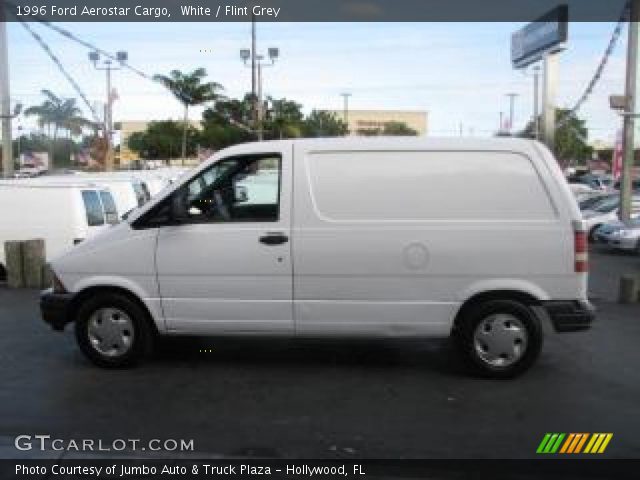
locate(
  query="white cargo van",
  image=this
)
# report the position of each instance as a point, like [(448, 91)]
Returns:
[(478, 239), (61, 214), (128, 192)]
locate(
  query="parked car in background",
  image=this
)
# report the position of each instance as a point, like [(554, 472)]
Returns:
[(581, 189), (607, 211), (376, 254), (620, 236), (61, 214), (590, 201), (589, 179)]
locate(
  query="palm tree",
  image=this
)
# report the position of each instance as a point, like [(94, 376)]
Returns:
[(58, 113), (190, 90)]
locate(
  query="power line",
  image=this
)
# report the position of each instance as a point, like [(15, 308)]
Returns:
[(64, 72), (601, 66)]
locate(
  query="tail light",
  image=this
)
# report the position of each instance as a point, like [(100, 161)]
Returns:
[(580, 251)]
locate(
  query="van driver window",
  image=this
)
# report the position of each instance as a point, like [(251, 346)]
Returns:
[(244, 189)]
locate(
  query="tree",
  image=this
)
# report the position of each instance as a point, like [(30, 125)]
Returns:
[(226, 110), (324, 124), (227, 123), (570, 140), (161, 140), (190, 90), (57, 113), (283, 119)]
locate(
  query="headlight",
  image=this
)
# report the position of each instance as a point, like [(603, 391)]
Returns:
[(626, 233)]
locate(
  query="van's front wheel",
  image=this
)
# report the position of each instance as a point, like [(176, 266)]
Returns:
[(500, 338), (112, 331)]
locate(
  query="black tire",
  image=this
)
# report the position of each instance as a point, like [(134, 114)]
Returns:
[(592, 234), (472, 317), (142, 333)]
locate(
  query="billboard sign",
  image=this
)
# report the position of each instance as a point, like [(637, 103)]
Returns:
[(548, 34)]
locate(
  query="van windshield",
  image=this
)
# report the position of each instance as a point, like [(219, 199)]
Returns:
[(93, 208), (109, 206), (142, 193)]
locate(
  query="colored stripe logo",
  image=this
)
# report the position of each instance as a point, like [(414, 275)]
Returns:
[(573, 443)]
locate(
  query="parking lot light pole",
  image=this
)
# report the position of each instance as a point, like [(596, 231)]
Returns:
[(258, 60), (107, 66)]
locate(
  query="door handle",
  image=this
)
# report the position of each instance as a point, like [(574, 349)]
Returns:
[(274, 238)]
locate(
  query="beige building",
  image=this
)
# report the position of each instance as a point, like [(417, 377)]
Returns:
[(367, 120)]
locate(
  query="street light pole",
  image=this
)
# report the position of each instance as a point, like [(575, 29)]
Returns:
[(631, 92), (5, 99), (253, 66), (512, 101), (260, 105)]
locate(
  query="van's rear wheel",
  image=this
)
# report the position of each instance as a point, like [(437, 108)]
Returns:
[(112, 330), (500, 338)]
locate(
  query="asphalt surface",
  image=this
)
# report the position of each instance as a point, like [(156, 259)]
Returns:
[(372, 399)]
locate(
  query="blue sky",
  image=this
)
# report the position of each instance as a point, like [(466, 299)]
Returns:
[(458, 72)]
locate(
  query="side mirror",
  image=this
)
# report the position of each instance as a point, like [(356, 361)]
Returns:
[(241, 194), (179, 211)]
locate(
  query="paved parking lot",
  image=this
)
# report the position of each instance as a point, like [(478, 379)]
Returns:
[(382, 399)]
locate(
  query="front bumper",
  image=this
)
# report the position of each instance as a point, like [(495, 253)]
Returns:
[(55, 308), (570, 315)]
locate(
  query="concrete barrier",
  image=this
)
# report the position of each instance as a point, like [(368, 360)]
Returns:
[(629, 291), (13, 256), (26, 263)]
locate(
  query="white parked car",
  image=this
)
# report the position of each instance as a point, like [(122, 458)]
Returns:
[(350, 237), (61, 214), (619, 235)]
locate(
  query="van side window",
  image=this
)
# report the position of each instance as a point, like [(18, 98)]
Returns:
[(93, 208), (242, 189)]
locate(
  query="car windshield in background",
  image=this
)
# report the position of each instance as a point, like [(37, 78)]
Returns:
[(594, 201), (110, 209), (93, 208), (608, 205)]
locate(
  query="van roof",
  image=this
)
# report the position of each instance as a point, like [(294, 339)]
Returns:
[(26, 183), (400, 143)]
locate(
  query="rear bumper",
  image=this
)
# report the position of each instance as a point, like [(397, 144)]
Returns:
[(55, 308), (570, 315)]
